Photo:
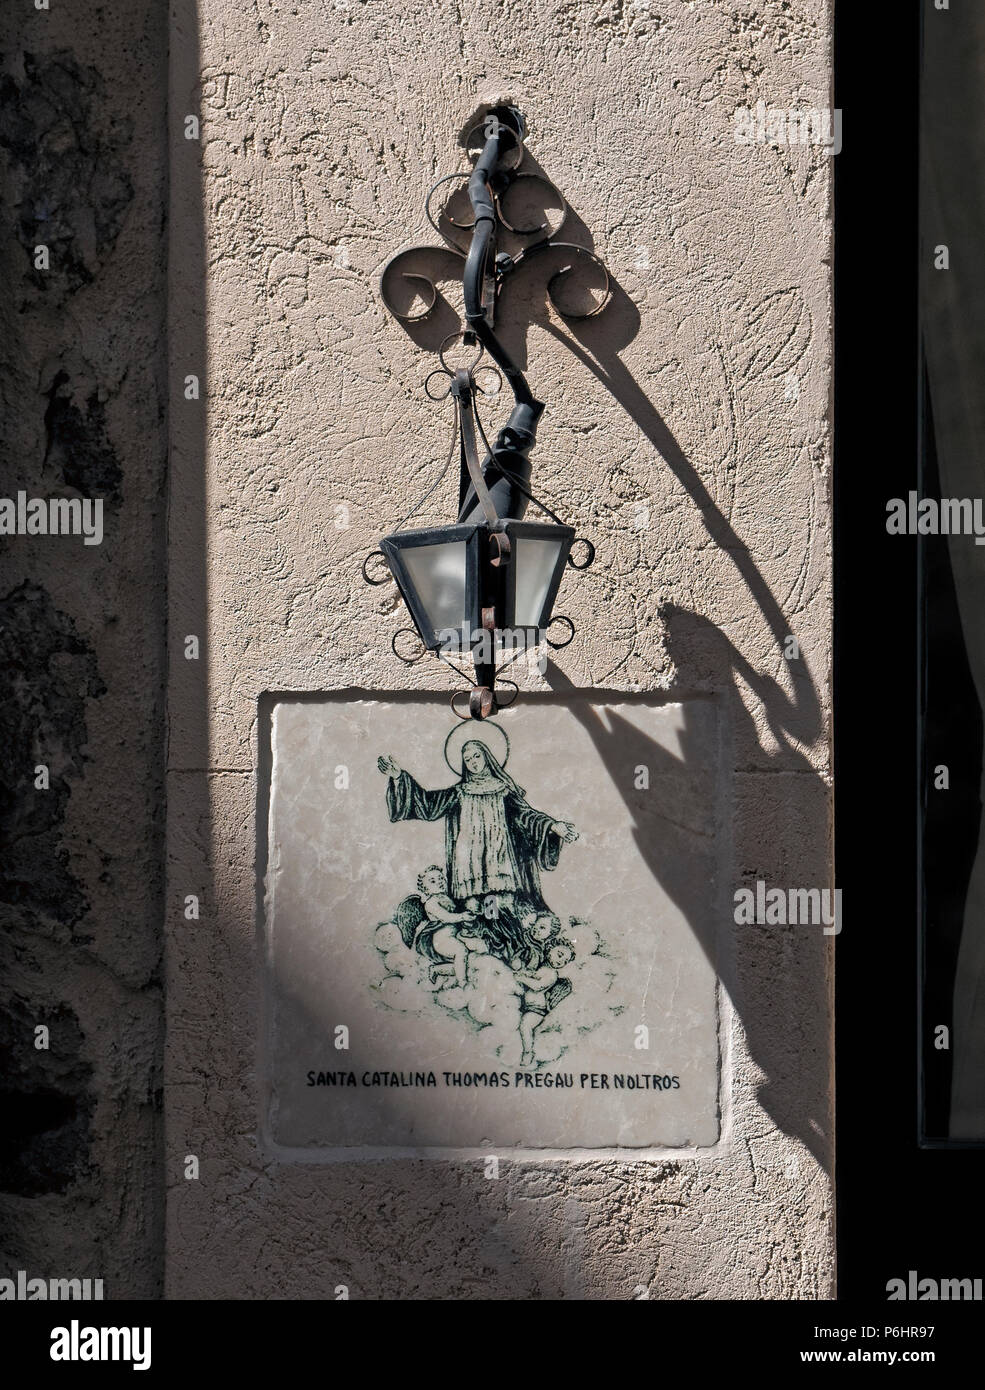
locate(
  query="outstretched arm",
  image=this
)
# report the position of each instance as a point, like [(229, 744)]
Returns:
[(407, 800), (543, 835)]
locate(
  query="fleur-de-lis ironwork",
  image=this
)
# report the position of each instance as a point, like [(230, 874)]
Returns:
[(507, 175)]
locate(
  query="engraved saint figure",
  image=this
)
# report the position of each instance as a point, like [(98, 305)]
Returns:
[(495, 841)]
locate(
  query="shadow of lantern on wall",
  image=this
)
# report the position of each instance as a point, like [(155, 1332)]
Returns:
[(488, 582)]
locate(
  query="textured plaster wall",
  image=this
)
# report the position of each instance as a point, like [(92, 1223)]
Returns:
[(687, 432), (82, 645)]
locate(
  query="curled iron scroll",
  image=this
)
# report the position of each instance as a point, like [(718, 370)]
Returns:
[(504, 680), (376, 582), (436, 223), (390, 270), (531, 231), (407, 660), (575, 250), (506, 263), (560, 618), (590, 556), (515, 150)]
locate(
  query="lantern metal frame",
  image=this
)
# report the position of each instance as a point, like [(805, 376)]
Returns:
[(392, 548), (486, 586), (493, 494), (536, 530)]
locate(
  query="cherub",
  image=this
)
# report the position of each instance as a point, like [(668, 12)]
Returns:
[(538, 928), (440, 937), (542, 989)]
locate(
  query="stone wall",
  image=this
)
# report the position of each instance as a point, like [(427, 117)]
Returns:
[(82, 636), (687, 433)]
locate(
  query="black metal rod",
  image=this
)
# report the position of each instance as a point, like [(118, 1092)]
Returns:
[(518, 436), (481, 251)]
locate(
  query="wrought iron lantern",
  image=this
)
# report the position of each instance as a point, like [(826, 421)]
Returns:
[(461, 580), (488, 581)]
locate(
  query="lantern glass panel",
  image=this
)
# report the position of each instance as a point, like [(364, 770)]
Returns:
[(536, 560), (438, 575)]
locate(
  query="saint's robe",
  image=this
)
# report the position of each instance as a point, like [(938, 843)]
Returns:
[(495, 842)]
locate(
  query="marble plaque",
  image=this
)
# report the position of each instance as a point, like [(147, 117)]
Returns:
[(492, 935)]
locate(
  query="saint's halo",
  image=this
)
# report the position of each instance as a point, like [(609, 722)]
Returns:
[(466, 732)]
